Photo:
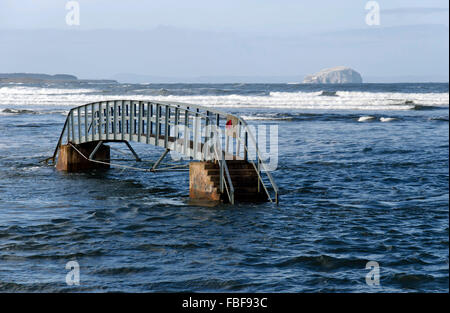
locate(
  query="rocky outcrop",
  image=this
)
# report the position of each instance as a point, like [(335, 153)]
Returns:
[(30, 78), (334, 75)]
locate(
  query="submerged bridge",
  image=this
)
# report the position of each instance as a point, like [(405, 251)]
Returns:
[(196, 132)]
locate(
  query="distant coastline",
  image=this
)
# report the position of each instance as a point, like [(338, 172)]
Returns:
[(35, 78), (27, 78)]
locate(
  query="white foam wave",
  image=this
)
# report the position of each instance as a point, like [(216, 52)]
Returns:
[(42, 91), (387, 119), (366, 118), (33, 96), (264, 118)]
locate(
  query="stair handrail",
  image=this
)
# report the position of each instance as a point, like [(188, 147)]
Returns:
[(224, 170), (53, 157), (245, 145), (258, 171)]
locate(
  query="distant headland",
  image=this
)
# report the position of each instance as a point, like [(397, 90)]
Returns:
[(46, 78)]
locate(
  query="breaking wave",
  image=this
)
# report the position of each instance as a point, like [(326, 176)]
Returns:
[(228, 98)]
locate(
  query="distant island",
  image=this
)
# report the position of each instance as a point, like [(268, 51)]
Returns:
[(42, 78), (334, 75)]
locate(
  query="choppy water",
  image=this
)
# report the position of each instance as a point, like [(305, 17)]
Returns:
[(363, 176)]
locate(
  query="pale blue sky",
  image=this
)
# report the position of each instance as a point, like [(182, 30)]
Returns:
[(281, 16), (224, 38)]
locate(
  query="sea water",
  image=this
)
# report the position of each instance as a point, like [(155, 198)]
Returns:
[(362, 172)]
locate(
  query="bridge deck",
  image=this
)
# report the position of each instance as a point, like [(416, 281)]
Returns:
[(191, 130)]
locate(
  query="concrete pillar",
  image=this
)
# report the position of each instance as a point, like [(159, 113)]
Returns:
[(70, 160), (204, 182)]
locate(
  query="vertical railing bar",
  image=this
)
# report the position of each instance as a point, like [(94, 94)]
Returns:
[(140, 121), (72, 125), (148, 123), (79, 124), (151, 117), (245, 144), (166, 128), (131, 114), (68, 129), (123, 112), (100, 121), (195, 135), (93, 121), (159, 120), (169, 116), (219, 140), (107, 120), (85, 123), (136, 117), (221, 178), (157, 126), (187, 133), (115, 121), (143, 119), (207, 136), (119, 118), (199, 131), (238, 140), (177, 116)]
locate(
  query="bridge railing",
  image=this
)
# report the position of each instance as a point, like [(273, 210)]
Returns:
[(193, 131)]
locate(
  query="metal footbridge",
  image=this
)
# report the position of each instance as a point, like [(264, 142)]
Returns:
[(194, 131)]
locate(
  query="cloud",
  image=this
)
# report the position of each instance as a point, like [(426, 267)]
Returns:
[(414, 11)]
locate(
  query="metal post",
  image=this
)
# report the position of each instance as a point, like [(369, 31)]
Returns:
[(72, 125), (107, 120), (176, 135), (158, 111), (140, 121), (115, 121), (187, 132), (195, 136), (131, 120), (222, 161), (167, 127), (79, 124), (99, 121), (93, 121), (246, 145), (123, 113), (207, 136), (85, 123), (151, 116), (147, 139), (68, 129)]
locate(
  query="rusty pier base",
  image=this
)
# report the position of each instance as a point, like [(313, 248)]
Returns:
[(70, 160)]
